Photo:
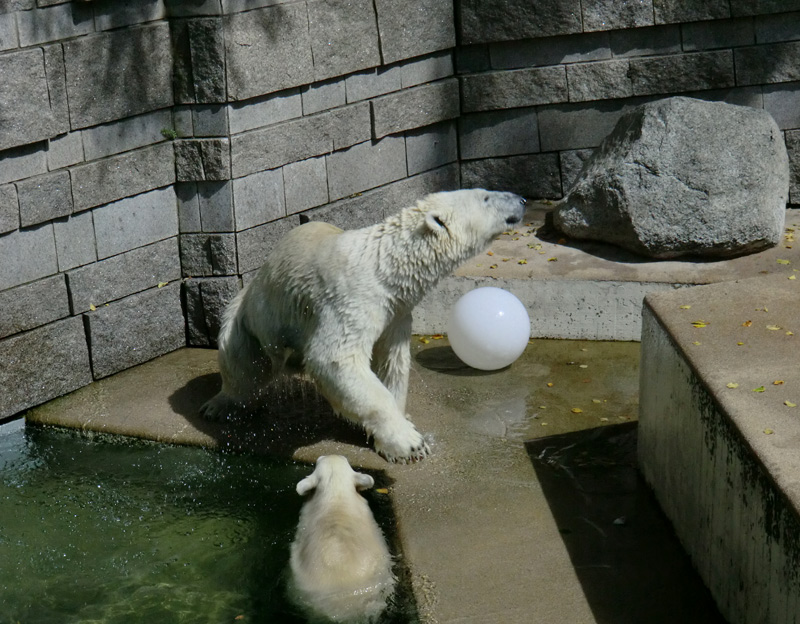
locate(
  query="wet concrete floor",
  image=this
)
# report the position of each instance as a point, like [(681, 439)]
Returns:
[(530, 508)]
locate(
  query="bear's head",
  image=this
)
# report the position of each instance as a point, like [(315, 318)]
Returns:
[(466, 221), (333, 472)]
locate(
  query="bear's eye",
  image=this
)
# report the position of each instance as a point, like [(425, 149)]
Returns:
[(486, 199), (440, 222)]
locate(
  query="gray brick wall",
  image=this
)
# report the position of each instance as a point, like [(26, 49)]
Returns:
[(153, 151)]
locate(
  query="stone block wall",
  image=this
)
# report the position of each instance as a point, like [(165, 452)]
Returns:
[(152, 151), (542, 83)]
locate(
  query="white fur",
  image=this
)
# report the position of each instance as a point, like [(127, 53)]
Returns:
[(338, 306), (341, 569)]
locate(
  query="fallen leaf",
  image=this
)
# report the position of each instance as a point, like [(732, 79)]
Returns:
[(732, 385), (768, 431), (489, 253), (424, 340), (92, 307), (685, 307), (162, 284), (553, 259), (788, 333), (747, 323), (596, 401), (544, 424), (791, 277), (696, 343), (779, 261), (523, 261), (382, 490), (603, 419), (773, 327), (492, 266), (739, 344), (759, 389), (576, 410), (542, 407), (549, 384), (788, 403), (562, 241), (762, 309), (583, 366), (777, 382), (437, 336), (700, 324)]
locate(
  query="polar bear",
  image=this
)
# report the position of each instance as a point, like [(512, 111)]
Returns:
[(337, 305), (340, 567)]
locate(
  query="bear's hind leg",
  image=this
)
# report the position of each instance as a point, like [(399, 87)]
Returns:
[(245, 371)]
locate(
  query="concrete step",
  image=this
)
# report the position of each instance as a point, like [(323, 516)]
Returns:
[(719, 436), (586, 290)]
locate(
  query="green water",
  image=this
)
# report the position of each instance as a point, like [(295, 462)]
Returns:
[(102, 529)]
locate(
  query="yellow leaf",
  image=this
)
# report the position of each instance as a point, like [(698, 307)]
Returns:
[(576, 410), (382, 490), (773, 327), (783, 261), (747, 323), (583, 366), (437, 336), (685, 307), (523, 261), (700, 324), (92, 307), (506, 259), (542, 407), (162, 284), (732, 385), (489, 253), (759, 389), (596, 401), (777, 382), (424, 340), (790, 333), (549, 384), (553, 259), (544, 424), (791, 277), (739, 344), (764, 309), (768, 431), (696, 343), (492, 266), (788, 403)]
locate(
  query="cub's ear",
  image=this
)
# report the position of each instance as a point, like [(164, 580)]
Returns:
[(363, 481), (307, 484), (435, 222)]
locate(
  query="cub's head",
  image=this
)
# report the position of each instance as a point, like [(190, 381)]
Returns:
[(469, 219), (334, 471)]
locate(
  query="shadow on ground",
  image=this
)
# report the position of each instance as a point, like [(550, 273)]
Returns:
[(624, 551), (293, 415)]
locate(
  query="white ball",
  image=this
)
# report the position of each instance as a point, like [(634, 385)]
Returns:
[(488, 328)]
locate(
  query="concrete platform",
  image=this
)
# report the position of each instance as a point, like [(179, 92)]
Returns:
[(719, 436), (586, 290), (483, 538)]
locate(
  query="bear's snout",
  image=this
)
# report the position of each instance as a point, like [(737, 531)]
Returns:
[(516, 205)]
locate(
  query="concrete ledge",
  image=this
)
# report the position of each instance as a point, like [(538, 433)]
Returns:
[(719, 436), (585, 290)]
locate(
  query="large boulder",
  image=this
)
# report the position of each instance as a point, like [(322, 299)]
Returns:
[(683, 177)]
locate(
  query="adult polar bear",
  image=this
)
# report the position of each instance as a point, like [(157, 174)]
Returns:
[(337, 305)]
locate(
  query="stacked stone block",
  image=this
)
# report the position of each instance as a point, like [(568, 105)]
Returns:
[(542, 83)]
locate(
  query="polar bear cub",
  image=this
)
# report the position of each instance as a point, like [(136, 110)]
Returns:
[(341, 569), (337, 305)]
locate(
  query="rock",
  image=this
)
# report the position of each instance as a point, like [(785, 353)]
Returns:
[(683, 177)]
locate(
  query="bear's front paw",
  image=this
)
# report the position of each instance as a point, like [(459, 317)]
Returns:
[(401, 443)]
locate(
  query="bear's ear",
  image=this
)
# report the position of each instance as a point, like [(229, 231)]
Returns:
[(307, 484), (435, 222), (363, 481)]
